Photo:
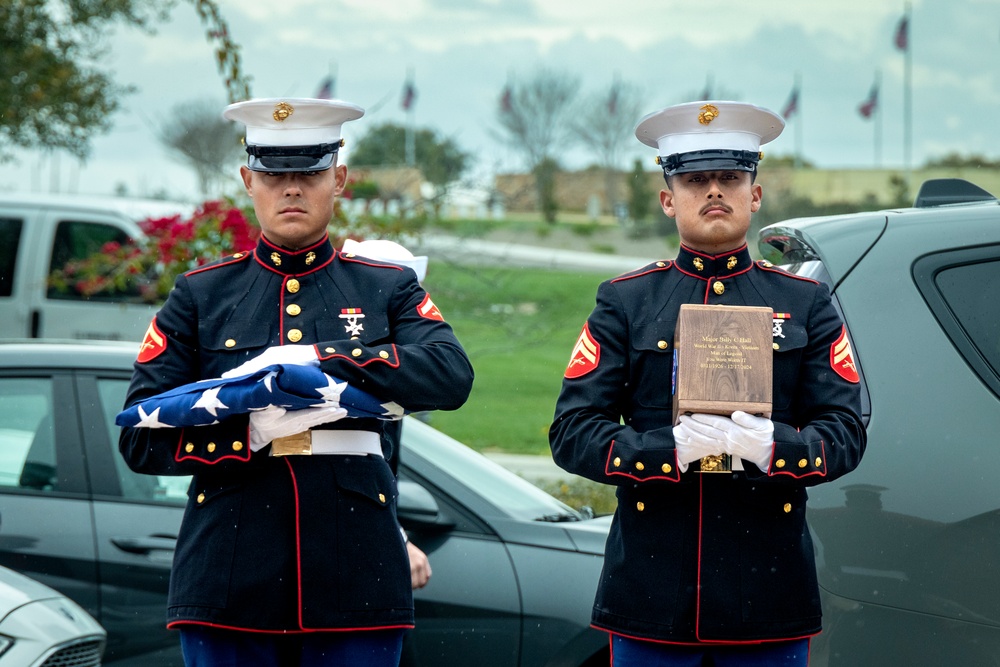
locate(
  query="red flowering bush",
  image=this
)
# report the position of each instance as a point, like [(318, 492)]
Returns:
[(145, 269)]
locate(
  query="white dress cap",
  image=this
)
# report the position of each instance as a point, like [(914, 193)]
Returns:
[(292, 133), (387, 251), (701, 136)]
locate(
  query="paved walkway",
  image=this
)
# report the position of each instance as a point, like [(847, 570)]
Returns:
[(469, 251)]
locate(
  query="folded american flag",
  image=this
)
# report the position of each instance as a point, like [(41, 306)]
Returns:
[(288, 386)]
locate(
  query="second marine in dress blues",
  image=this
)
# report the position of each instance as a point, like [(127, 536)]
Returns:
[(697, 561)]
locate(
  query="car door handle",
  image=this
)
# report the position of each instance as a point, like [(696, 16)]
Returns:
[(145, 545)]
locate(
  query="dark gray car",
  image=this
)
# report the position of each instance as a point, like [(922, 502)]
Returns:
[(908, 545), (515, 570)]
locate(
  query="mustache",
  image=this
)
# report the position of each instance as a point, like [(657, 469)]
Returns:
[(726, 207)]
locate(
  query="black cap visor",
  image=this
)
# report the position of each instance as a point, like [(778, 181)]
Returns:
[(710, 160), (280, 159)]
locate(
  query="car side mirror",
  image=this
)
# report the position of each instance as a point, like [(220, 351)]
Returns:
[(417, 509)]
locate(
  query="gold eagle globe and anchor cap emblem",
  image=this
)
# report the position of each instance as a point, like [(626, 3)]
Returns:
[(282, 110), (708, 113)]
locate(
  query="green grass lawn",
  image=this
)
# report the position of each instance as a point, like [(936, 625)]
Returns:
[(518, 327)]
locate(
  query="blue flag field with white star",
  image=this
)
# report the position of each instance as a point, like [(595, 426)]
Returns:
[(289, 386)]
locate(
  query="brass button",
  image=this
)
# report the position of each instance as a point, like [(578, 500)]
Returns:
[(666, 467), (294, 335), (803, 463), (639, 466), (237, 446), (292, 285), (349, 255), (381, 498), (617, 461), (640, 506), (661, 264), (230, 342), (788, 508), (780, 463), (775, 346), (767, 264), (189, 447), (383, 354), (201, 498), (356, 352), (211, 447), (819, 461), (718, 287), (237, 255), (330, 350), (661, 344), (293, 309)]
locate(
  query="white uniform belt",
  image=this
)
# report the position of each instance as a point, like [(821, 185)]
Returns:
[(357, 443)]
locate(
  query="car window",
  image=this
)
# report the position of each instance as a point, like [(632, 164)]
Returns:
[(10, 237), (75, 241), (502, 488), (166, 489), (27, 435), (960, 287), (977, 310)]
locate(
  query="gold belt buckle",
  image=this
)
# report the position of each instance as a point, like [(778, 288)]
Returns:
[(292, 445), (716, 463)]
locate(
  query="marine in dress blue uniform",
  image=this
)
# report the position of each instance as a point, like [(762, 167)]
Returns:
[(695, 560), (295, 544)]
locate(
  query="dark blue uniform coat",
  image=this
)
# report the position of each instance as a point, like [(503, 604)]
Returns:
[(296, 543), (698, 557)]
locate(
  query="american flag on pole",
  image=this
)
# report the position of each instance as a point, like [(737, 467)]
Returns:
[(792, 105), (288, 386), (902, 36), (326, 88), (867, 108), (409, 95)]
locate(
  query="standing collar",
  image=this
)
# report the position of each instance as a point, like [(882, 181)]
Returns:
[(294, 262), (704, 266)]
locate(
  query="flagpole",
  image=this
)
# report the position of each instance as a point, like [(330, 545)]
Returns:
[(877, 139), (798, 122), (908, 95), (410, 143)]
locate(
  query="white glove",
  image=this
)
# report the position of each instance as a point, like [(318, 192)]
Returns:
[(744, 435), (275, 422), (692, 444), (292, 355)]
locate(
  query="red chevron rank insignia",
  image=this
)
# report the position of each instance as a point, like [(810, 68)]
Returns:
[(842, 358), (586, 355), (153, 343), (428, 310)]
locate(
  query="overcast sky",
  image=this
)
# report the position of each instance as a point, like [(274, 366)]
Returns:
[(462, 53)]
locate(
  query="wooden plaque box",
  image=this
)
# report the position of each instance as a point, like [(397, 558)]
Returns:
[(722, 360)]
